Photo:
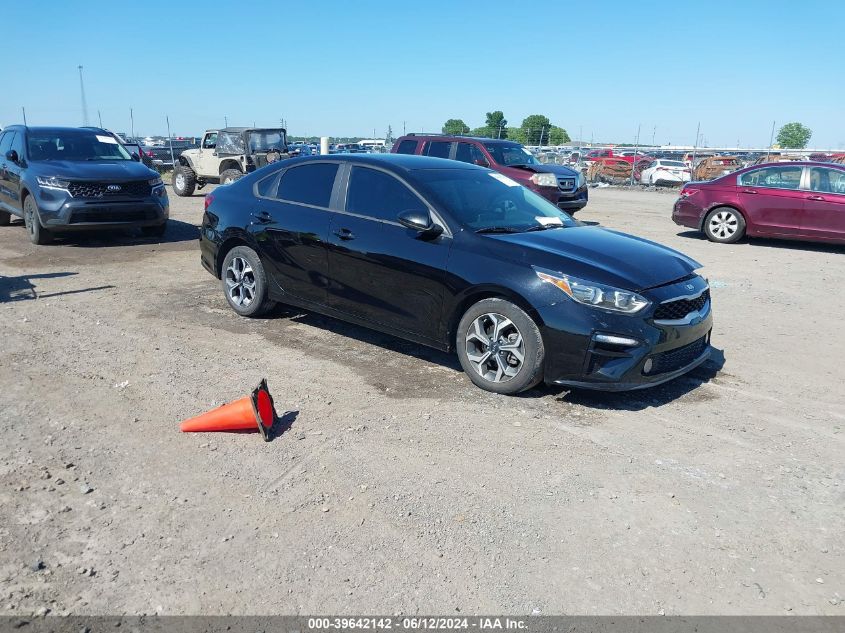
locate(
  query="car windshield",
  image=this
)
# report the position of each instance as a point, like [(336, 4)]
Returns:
[(671, 163), (511, 154), (74, 145), (485, 201), (264, 140)]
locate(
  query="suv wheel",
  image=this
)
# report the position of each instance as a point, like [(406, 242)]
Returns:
[(245, 283), (724, 225), (500, 347), (184, 181), (5, 218), (37, 233), (230, 176)]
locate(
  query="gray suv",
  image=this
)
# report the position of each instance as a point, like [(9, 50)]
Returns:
[(70, 179)]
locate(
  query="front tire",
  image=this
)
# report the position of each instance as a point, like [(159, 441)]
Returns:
[(724, 225), (500, 347), (229, 176), (37, 233), (184, 181), (245, 282)]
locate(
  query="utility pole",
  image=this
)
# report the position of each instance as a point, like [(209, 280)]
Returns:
[(132, 122), (226, 121), (403, 128), (694, 148), (170, 139), (771, 140), (636, 146), (653, 134), (100, 118), (84, 104), (23, 111)]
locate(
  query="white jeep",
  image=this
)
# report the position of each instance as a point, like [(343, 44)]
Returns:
[(227, 154)]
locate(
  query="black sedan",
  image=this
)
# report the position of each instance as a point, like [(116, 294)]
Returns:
[(460, 258)]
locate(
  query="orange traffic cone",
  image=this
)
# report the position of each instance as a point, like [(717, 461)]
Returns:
[(245, 414)]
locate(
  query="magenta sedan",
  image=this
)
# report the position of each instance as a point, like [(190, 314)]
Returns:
[(796, 201)]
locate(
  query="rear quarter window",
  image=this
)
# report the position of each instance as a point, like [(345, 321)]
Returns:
[(308, 184), (407, 147)]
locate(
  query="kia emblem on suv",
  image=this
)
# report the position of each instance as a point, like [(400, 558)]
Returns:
[(113, 188), (688, 286)]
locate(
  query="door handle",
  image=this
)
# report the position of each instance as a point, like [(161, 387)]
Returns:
[(345, 234), (749, 191), (262, 216), (818, 198)]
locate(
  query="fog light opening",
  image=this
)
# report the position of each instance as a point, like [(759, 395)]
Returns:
[(647, 365), (612, 339)]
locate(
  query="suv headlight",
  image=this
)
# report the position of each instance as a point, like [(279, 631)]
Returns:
[(53, 182), (544, 180), (597, 295), (155, 182)]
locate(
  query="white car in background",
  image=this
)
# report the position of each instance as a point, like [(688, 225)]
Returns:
[(665, 172)]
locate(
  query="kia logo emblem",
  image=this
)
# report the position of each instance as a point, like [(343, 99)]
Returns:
[(113, 188), (688, 286)]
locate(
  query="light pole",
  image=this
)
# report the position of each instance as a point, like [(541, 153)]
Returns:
[(82, 93)]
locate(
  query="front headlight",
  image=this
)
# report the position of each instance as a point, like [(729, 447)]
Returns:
[(155, 182), (596, 295), (544, 180), (53, 182)]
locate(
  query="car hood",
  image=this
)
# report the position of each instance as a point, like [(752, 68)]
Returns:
[(558, 170), (602, 255), (92, 170)]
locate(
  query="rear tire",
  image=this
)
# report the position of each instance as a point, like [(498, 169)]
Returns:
[(229, 176), (724, 225), (184, 181), (5, 218), (492, 336), (245, 283), (37, 233)]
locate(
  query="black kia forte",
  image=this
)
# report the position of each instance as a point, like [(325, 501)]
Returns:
[(460, 258)]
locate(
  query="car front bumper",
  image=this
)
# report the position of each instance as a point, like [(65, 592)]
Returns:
[(577, 357), (566, 201), (60, 212)]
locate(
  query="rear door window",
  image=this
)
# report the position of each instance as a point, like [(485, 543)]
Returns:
[(308, 184), (407, 147), (379, 195), (776, 177), (438, 149), (469, 153)]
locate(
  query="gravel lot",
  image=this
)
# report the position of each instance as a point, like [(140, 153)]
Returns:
[(398, 486)]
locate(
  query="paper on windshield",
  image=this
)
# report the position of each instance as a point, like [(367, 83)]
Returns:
[(546, 221), (504, 180), (106, 139)]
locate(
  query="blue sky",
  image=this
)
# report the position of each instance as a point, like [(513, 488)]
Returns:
[(347, 68)]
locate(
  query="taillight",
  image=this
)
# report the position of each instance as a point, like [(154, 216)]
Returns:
[(209, 198), (686, 193)]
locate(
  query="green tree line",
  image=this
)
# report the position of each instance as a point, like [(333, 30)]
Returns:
[(536, 129)]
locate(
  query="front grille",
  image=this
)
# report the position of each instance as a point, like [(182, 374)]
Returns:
[(566, 184), (111, 215), (680, 308), (677, 358), (132, 189)]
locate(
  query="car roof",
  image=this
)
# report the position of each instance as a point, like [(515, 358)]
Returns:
[(449, 138), (59, 128), (396, 162)]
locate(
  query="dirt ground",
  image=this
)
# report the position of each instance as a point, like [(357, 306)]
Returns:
[(398, 487)]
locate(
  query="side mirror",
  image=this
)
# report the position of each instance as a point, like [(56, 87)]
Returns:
[(419, 221), (481, 162), (135, 157), (12, 155)]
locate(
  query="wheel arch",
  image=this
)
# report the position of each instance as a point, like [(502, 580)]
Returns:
[(229, 163), (185, 161), (480, 293), (229, 242)]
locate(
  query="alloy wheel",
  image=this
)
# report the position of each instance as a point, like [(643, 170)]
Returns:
[(494, 347), (29, 217), (723, 224), (180, 181), (240, 282)]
